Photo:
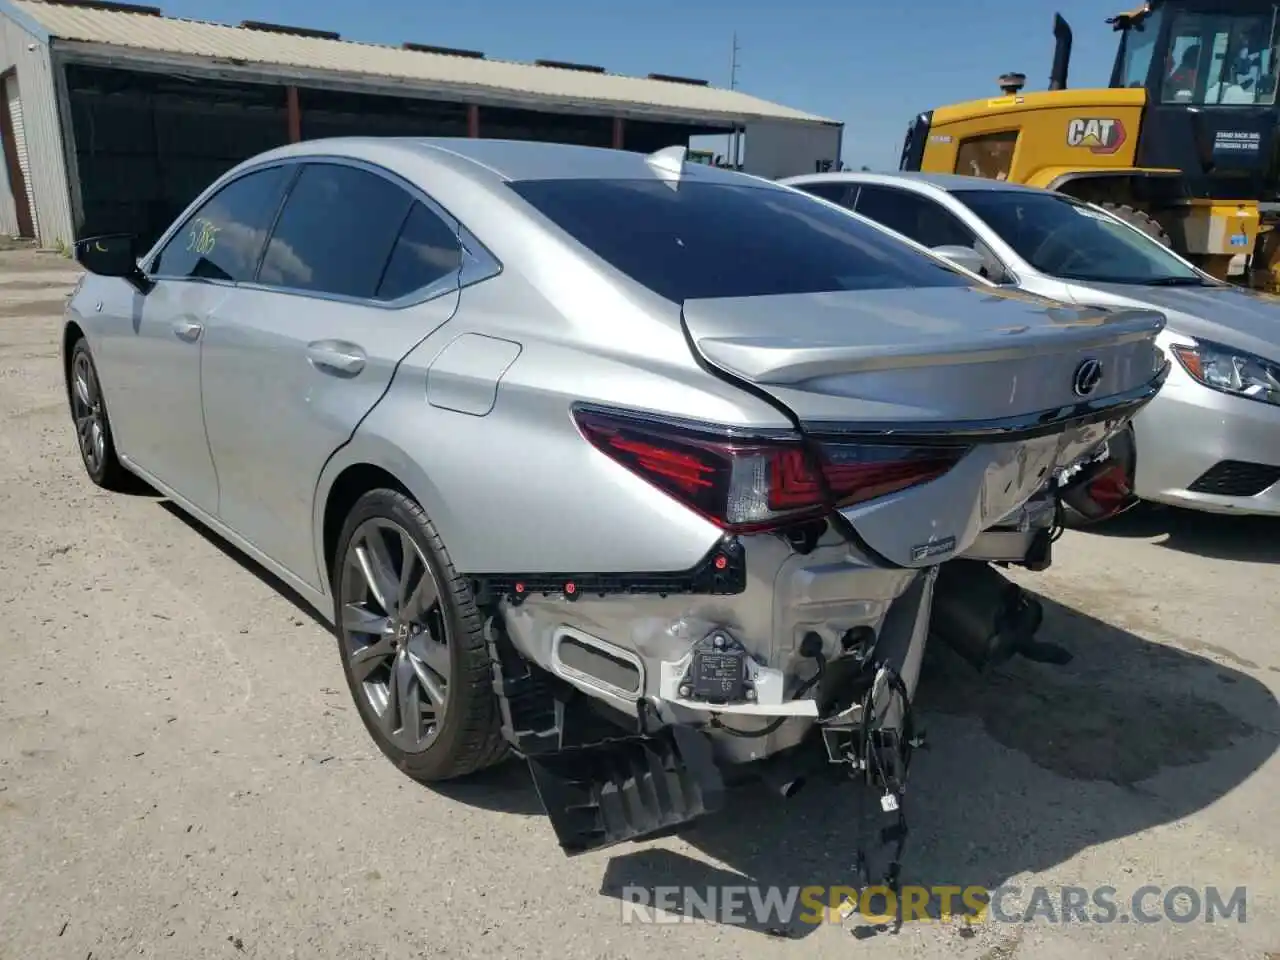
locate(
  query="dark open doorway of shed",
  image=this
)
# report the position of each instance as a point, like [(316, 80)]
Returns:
[(146, 144)]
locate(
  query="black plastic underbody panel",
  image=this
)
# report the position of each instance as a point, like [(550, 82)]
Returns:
[(631, 788)]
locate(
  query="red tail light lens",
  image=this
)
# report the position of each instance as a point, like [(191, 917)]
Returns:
[(746, 485)]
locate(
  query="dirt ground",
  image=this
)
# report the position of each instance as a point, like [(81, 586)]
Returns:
[(182, 776)]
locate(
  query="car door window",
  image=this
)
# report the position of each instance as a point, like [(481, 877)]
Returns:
[(223, 238), (336, 232), (926, 222), (426, 251), (835, 192), (915, 216)]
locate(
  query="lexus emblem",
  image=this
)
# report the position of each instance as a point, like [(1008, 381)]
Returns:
[(1087, 377)]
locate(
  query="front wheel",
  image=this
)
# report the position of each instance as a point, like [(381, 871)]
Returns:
[(93, 425), (412, 644)]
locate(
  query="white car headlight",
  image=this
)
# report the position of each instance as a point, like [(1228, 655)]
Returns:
[(1232, 371)]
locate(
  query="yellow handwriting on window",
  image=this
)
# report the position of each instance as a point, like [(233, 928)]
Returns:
[(203, 236)]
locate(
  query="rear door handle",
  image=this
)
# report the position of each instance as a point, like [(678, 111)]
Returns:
[(336, 357), (188, 330)]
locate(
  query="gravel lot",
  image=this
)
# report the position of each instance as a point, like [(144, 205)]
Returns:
[(181, 774)]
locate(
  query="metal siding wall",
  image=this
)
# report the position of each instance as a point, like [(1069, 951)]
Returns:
[(777, 148), (43, 134)]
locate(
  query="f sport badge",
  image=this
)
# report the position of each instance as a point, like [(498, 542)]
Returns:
[(1102, 135)]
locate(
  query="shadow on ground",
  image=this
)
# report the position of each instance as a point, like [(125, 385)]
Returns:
[(1248, 539), (233, 553), (1029, 765), (1075, 762)]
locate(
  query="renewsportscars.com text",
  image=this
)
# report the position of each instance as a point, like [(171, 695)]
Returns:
[(742, 905)]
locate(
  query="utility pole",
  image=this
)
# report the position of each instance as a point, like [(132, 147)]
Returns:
[(733, 85)]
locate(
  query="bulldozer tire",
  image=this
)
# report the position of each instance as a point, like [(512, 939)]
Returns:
[(1143, 221)]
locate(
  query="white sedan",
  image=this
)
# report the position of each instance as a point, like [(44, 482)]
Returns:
[(1211, 439)]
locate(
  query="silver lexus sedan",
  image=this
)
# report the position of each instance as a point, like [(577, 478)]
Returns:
[(1211, 440), (635, 467)]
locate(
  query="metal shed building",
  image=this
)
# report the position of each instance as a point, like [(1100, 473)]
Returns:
[(117, 116)]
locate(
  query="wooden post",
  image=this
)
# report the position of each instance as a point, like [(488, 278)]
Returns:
[(473, 120), (619, 132), (295, 114), (17, 183)]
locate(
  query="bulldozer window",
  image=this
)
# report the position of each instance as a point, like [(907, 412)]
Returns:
[(1139, 46), (989, 155), (1222, 58)]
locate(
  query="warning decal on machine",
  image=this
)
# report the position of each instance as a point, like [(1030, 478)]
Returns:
[(1235, 141)]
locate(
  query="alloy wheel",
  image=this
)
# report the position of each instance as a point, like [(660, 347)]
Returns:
[(86, 409), (395, 634)]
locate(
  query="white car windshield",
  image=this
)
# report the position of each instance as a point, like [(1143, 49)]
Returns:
[(1067, 239)]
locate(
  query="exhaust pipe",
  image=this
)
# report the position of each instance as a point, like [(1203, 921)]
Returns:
[(786, 774), (1061, 53), (984, 617)]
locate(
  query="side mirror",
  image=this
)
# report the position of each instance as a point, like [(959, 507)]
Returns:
[(113, 255), (965, 257)]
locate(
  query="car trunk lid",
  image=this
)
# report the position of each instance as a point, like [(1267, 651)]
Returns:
[(1026, 383)]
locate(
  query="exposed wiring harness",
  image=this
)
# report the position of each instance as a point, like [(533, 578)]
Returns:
[(891, 782)]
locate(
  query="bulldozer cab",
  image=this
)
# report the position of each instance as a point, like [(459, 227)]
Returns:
[(1182, 142), (1210, 53), (1209, 69)]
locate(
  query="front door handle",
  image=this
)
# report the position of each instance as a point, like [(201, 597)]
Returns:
[(188, 330), (336, 356)]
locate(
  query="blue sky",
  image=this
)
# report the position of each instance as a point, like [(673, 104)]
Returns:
[(870, 65)]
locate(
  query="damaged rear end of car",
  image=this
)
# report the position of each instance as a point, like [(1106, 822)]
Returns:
[(926, 421), (798, 645)]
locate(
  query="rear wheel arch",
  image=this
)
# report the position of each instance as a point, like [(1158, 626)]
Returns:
[(1137, 187), (1091, 188), (353, 482)]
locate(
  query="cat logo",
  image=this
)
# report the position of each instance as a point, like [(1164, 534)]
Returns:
[(1097, 134)]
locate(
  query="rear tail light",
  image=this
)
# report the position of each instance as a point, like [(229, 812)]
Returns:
[(749, 485)]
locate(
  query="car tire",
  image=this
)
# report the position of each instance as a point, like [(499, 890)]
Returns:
[(1143, 221), (92, 424), (438, 737)]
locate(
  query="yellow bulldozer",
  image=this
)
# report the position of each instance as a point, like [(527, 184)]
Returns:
[(1182, 144)]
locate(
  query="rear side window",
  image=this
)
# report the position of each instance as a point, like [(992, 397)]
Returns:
[(914, 216), (223, 239), (707, 240), (841, 193), (336, 232), (426, 251)]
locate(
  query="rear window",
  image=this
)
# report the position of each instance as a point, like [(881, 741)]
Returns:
[(707, 240)]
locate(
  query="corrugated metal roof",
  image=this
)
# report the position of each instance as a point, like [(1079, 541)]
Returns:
[(216, 40)]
